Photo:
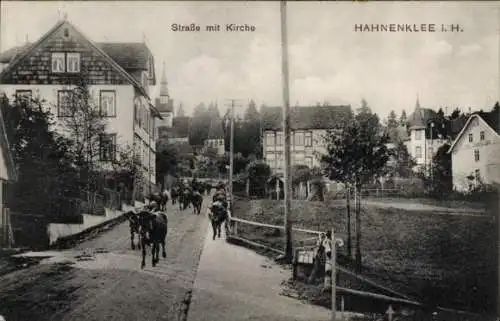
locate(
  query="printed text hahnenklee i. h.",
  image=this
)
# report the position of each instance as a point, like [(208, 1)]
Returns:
[(407, 27)]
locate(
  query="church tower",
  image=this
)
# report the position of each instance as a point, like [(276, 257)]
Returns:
[(165, 105)]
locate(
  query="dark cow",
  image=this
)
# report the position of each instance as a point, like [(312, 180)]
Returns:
[(133, 220), (218, 215), (153, 230), (174, 194), (197, 201), (185, 198)]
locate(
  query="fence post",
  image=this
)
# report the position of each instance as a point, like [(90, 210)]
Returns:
[(333, 248)]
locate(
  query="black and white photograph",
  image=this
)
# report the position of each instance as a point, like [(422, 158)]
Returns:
[(249, 160)]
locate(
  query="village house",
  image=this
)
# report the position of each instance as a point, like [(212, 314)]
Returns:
[(475, 153), (215, 139), (119, 76), (308, 126), (423, 140), (8, 175)]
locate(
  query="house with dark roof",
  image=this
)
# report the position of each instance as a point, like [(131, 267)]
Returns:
[(215, 138), (308, 126), (475, 152), (118, 74), (422, 145)]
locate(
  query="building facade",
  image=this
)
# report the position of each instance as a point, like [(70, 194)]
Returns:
[(309, 125), (475, 153), (215, 139), (422, 141), (118, 76)]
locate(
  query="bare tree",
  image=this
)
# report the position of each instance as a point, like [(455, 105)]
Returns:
[(85, 126)]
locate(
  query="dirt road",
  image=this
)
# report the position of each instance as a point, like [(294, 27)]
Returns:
[(101, 278)]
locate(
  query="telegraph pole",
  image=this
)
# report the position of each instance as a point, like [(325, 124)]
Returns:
[(231, 154), (286, 132)]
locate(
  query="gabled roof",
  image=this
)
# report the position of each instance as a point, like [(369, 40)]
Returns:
[(313, 117), (215, 130), (491, 119), (28, 49), (6, 152)]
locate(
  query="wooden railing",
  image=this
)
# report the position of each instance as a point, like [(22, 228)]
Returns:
[(309, 243)]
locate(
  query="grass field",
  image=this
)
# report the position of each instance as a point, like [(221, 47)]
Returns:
[(446, 259)]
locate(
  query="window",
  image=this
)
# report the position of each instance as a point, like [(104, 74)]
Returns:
[(107, 148), (309, 161), (270, 139), (23, 95), (308, 139), (418, 152), (163, 99), (136, 111), (298, 138), (418, 135), (64, 103), (481, 135), (471, 138), (73, 62), (279, 138), (58, 61), (476, 155), (107, 103)]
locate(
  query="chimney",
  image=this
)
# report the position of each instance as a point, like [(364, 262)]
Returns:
[(470, 110)]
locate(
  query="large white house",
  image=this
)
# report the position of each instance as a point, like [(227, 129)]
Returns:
[(118, 74), (475, 153), (308, 128)]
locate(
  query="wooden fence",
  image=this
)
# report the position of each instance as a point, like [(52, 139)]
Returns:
[(396, 299)]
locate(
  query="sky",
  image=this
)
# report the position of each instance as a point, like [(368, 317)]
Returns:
[(328, 60)]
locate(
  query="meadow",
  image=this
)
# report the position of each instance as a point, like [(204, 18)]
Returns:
[(440, 257)]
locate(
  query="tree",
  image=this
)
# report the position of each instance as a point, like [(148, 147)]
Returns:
[(403, 162), (200, 125), (442, 178), (249, 138), (180, 111), (85, 125), (456, 113), (392, 121), (47, 179), (258, 173), (167, 161), (356, 155), (128, 174), (496, 108), (403, 118), (213, 111)]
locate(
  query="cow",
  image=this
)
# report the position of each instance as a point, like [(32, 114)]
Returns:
[(174, 194), (133, 220), (164, 200), (217, 213), (185, 198), (153, 230), (197, 201)]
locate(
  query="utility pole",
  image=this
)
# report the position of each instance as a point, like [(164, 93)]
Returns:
[(231, 154), (286, 132)]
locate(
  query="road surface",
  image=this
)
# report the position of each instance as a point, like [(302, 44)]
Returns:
[(101, 279)]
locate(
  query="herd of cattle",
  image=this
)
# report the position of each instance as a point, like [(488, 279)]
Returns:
[(150, 223)]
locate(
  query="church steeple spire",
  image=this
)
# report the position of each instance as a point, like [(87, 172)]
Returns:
[(417, 104), (164, 83)]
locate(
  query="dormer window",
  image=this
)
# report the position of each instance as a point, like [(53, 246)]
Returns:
[(66, 32), (163, 99)]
